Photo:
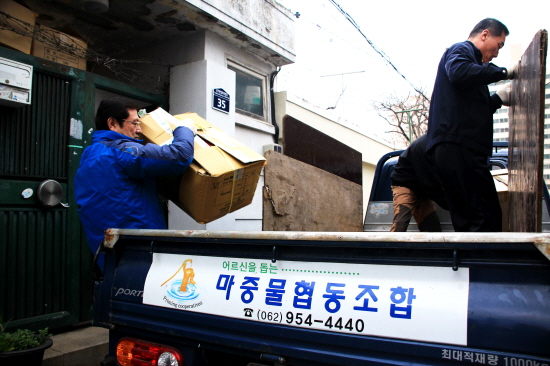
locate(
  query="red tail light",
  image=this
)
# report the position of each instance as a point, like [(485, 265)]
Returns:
[(134, 352)]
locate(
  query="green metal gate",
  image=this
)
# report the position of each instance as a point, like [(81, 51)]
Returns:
[(45, 263)]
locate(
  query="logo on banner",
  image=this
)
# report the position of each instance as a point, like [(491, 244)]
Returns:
[(182, 288)]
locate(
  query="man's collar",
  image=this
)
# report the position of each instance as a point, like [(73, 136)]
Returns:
[(477, 52), (112, 135)]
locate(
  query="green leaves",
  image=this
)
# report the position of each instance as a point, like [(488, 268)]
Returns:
[(21, 339)]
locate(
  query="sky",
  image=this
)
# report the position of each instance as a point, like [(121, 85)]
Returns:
[(413, 34)]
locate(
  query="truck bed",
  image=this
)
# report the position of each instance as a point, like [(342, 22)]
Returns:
[(478, 298)]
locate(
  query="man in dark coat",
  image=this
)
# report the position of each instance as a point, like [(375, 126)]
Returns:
[(460, 126)]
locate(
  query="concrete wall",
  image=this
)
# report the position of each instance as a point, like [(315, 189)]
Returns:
[(370, 149), (191, 86), (263, 27)]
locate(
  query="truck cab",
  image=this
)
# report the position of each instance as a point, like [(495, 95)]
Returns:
[(379, 214)]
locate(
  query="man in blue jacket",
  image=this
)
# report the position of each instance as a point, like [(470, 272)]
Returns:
[(460, 126), (114, 185)]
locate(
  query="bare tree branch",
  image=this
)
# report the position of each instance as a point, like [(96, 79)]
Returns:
[(393, 109)]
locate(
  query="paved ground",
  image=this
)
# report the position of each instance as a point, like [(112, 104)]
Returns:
[(81, 347)]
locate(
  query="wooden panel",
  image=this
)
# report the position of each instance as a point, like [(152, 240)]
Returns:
[(527, 137), (300, 197), (308, 145)]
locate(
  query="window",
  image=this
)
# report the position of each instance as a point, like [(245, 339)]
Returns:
[(250, 87)]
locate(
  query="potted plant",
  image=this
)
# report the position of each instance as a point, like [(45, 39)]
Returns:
[(23, 347)]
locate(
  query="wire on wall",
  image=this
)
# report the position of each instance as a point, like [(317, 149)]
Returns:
[(376, 49)]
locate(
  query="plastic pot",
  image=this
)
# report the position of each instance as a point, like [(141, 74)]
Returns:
[(26, 357)]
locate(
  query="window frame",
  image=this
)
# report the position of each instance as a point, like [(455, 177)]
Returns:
[(243, 116)]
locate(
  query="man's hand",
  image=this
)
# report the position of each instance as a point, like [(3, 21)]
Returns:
[(188, 122), (512, 72), (504, 94)]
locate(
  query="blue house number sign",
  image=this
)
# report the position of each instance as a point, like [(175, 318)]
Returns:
[(220, 101)]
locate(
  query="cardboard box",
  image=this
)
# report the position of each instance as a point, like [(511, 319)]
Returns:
[(9, 38), (67, 50), (222, 178), (501, 183), (157, 127)]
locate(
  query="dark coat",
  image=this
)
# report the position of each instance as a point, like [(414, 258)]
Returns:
[(415, 170), (461, 108)]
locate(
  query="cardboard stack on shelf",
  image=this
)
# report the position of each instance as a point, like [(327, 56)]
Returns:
[(59, 47), (19, 30), (224, 173), (13, 39)]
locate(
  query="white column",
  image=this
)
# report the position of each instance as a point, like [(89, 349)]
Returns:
[(191, 89)]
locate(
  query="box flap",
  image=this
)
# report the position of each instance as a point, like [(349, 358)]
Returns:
[(154, 125), (217, 137), (215, 161)]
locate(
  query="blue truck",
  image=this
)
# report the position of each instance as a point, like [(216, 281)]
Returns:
[(319, 298)]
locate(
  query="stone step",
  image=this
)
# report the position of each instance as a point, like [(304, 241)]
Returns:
[(82, 347)]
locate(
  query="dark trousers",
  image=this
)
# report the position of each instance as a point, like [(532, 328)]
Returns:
[(469, 188)]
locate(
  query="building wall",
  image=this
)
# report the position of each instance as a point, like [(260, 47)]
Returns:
[(370, 149), (191, 86), (260, 26)]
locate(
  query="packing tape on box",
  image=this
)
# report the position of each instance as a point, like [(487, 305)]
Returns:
[(235, 177)]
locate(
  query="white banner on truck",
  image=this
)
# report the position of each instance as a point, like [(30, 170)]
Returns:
[(417, 303)]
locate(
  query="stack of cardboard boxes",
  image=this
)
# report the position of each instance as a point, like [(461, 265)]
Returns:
[(21, 20), (47, 43), (223, 176), (59, 47)]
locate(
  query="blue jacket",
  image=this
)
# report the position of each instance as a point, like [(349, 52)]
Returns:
[(461, 108), (115, 187)]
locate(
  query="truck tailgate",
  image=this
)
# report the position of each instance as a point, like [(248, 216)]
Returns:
[(332, 298)]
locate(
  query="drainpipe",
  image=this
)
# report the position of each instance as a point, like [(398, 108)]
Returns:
[(272, 96)]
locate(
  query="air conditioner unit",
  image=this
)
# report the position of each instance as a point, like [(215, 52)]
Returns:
[(15, 83), (275, 147)]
